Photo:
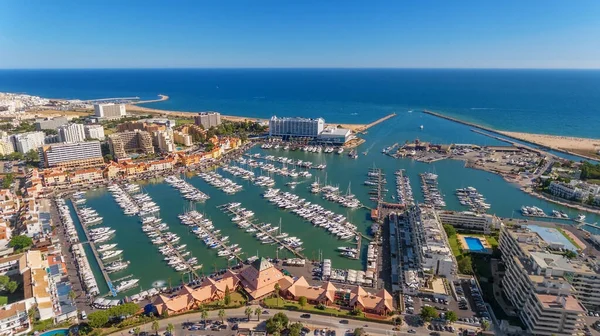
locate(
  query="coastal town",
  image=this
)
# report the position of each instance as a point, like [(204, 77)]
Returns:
[(119, 222)]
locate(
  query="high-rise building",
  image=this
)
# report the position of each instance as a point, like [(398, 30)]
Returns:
[(94, 132), (110, 111), (296, 127), (163, 141), (24, 142), (182, 138), (73, 155), (6, 145), (50, 123), (547, 290), (207, 119), (71, 133), (470, 221), (132, 141)]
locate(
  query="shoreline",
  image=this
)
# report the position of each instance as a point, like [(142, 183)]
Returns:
[(529, 138)]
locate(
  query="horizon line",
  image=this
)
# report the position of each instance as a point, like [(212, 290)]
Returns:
[(300, 68)]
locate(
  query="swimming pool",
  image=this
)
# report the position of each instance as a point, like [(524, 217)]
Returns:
[(56, 332), (474, 244)]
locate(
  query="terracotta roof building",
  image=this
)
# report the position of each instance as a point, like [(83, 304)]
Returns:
[(259, 279)]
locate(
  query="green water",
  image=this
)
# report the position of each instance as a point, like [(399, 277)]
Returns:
[(147, 263)]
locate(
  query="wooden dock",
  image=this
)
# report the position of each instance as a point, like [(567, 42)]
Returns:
[(278, 241), (111, 288)]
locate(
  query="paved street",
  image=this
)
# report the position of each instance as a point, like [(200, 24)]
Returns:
[(315, 322)]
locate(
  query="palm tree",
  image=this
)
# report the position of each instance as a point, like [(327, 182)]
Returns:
[(248, 312), (257, 312), (72, 295), (136, 330), (170, 328), (222, 315), (155, 327), (277, 288), (204, 315)]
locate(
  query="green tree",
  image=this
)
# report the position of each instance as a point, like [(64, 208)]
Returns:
[(32, 156), (485, 325), (295, 329), (428, 313), (98, 319), (257, 312), (20, 243), (8, 180), (359, 332), (302, 301), (450, 230), (16, 156), (204, 315), (209, 146), (277, 288), (356, 311), (72, 295), (137, 330), (222, 315), (170, 328), (277, 323), (570, 254), (155, 327), (227, 298), (451, 316), (7, 285), (108, 158), (465, 265), (248, 312), (398, 321)]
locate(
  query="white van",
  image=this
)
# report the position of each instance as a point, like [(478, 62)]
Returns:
[(83, 315)]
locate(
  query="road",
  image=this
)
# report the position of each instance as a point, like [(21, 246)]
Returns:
[(315, 322)]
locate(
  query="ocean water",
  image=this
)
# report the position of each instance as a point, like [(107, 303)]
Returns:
[(561, 102)]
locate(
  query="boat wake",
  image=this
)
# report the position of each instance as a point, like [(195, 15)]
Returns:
[(159, 283)]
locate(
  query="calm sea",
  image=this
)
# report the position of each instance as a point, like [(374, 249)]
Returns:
[(562, 102)]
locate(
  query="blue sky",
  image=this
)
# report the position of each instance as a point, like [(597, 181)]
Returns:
[(300, 33)]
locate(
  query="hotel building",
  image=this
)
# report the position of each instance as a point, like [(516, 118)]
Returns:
[(94, 132), (207, 119), (163, 141), (548, 291), (14, 319), (122, 143), (295, 127), (182, 138), (110, 111), (470, 221), (24, 142), (6, 145), (71, 133), (73, 155)]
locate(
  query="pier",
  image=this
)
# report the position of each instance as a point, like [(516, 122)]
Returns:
[(216, 238), (258, 228), (191, 268), (376, 122), (93, 246)]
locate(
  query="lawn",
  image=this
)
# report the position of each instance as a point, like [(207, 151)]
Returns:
[(293, 305), (569, 238), (455, 246), (237, 300), (3, 300)]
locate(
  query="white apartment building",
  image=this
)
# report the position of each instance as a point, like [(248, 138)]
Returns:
[(14, 319), (24, 142), (432, 246), (207, 119), (296, 127), (574, 190), (71, 133), (94, 132), (73, 155), (110, 111), (470, 221), (163, 140), (6, 145)]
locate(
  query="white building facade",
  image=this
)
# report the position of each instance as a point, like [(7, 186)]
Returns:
[(25, 142), (71, 133), (94, 132), (296, 127), (110, 111)]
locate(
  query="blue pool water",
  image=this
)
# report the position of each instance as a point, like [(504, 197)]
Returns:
[(56, 332), (551, 235), (474, 244)]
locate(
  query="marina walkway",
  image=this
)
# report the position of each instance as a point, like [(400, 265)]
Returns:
[(258, 228), (93, 246)]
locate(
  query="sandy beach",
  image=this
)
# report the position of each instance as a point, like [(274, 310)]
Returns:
[(583, 146)]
